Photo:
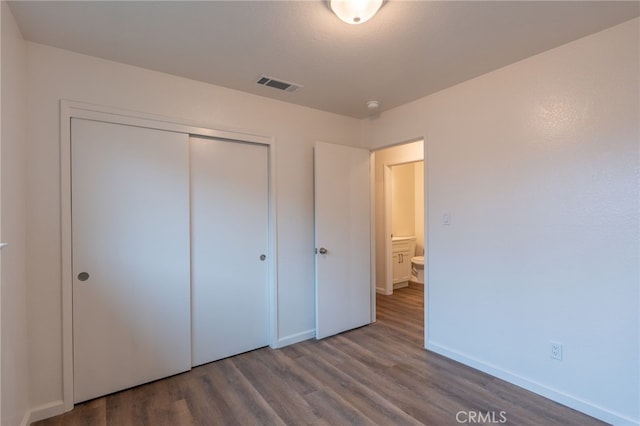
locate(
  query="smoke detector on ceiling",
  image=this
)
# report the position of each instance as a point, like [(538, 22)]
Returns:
[(286, 86)]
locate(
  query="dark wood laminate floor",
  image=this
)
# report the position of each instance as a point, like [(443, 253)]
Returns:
[(375, 375)]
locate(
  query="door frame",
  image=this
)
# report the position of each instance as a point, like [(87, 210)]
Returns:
[(72, 109), (372, 238)]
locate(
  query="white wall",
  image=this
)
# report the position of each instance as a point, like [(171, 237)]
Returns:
[(538, 164), (14, 371), (407, 205), (55, 74), (403, 200)]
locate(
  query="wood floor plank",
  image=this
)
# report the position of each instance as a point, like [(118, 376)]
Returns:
[(332, 409), (205, 399), (375, 375), (356, 395), (288, 404), (245, 404), (93, 413), (416, 397)]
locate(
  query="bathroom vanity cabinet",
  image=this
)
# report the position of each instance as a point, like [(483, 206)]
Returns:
[(402, 250)]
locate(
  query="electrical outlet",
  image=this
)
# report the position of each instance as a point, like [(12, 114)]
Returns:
[(556, 350)]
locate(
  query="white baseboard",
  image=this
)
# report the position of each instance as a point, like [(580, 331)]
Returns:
[(26, 419), (384, 291), (295, 338), (558, 396), (43, 411)]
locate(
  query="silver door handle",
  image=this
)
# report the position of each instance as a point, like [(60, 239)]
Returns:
[(322, 250)]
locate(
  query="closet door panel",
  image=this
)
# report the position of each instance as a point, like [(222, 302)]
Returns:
[(131, 293), (229, 234)]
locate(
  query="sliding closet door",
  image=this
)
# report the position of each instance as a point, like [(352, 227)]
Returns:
[(131, 294), (229, 248)]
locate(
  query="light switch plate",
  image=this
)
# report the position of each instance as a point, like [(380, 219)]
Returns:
[(446, 218)]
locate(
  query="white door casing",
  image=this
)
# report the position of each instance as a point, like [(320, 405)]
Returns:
[(229, 248), (343, 229), (130, 234)]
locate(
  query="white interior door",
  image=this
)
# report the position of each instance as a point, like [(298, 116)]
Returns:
[(131, 299), (343, 238), (229, 245)]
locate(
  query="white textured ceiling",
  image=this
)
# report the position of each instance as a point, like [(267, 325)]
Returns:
[(408, 50)]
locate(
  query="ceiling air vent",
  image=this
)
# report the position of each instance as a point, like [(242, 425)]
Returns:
[(278, 84)]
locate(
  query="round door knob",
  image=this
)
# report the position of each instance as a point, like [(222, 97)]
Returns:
[(263, 257), (322, 250), (83, 276)]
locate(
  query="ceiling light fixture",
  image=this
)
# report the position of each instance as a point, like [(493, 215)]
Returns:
[(355, 11)]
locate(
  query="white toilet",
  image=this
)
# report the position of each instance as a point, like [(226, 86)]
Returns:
[(417, 269)]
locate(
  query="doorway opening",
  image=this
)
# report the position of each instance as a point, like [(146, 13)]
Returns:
[(399, 188)]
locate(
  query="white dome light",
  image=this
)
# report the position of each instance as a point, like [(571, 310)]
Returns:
[(355, 11)]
